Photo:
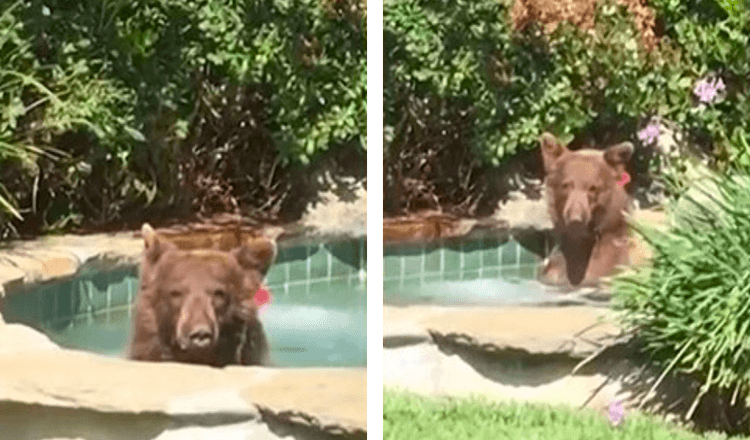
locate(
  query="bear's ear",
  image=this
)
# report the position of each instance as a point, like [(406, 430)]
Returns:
[(153, 245), (618, 155), (256, 254), (551, 151)]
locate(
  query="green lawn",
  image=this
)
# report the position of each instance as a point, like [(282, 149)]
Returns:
[(409, 417)]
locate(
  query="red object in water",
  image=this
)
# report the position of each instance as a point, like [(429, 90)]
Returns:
[(624, 180), (262, 296)]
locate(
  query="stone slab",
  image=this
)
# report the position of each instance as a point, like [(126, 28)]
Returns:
[(577, 331), (72, 379), (425, 370)]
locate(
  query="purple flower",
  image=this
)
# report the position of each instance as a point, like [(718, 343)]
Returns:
[(649, 134), (616, 413), (706, 90)]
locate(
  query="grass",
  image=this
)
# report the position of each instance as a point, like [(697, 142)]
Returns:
[(407, 416)]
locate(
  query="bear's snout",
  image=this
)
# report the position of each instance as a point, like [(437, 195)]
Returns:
[(201, 337), (577, 212), (197, 328)]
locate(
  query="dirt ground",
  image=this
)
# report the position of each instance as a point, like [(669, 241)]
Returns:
[(581, 13)]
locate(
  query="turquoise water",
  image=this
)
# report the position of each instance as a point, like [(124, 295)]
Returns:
[(332, 335), (483, 271), (480, 292), (318, 316)]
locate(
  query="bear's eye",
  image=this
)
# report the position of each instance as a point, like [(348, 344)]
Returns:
[(175, 294), (220, 294)]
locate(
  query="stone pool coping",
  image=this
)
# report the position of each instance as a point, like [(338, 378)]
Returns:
[(39, 374), (558, 355), (577, 331), (36, 372), (55, 258)]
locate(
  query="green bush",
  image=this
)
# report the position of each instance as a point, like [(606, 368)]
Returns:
[(165, 93), (691, 305), (458, 76)]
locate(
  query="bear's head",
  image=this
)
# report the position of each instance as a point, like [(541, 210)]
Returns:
[(585, 197), (195, 293)]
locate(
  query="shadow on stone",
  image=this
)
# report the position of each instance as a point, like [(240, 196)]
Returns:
[(506, 365), (673, 397), (623, 363), (304, 427), (32, 422), (402, 341)]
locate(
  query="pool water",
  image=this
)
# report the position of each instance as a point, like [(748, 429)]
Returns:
[(299, 335), (317, 318), (479, 292), (487, 271)]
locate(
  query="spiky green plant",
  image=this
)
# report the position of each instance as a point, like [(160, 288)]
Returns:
[(691, 305)]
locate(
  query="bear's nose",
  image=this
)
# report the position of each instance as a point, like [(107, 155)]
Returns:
[(201, 337)]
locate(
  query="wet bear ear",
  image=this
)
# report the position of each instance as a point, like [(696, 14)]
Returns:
[(154, 245), (618, 155), (258, 254), (552, 149)]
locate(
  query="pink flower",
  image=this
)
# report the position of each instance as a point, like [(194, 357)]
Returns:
[(616, 413), (624, 179), (262, 299), (649, 134), (706, 90)]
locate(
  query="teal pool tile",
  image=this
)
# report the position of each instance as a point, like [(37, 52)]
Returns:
[(354, 279), (452, 276), (509, 254), (98, 290), (412, 265), (293, 254), (527, 272), (345, 252), (133, 286), (412, 282), (320, 262), (432, 277), (490, 258), (341, 268), (101, 318), (509, 273), (297, 271), (319, 289), (119, 294), (277, 274), (392, 266), (471, 275), (297, 292), (59, 324), (472, 245), (527, 257), (432, 261), (119, 314), (100, 280), (46, 303), (81, 320), (452, 260), (534, 242), (490, 272), (472, 260), (391, 286)]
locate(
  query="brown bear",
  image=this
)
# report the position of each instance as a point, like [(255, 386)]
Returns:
[(196, 305), (588, 206)]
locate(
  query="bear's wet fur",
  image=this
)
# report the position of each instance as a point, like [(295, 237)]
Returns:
[(588, 209), (196, 306)]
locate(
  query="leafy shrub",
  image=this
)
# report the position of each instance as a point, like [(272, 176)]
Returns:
[(691, 305), (458, 77), (154, 82)]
